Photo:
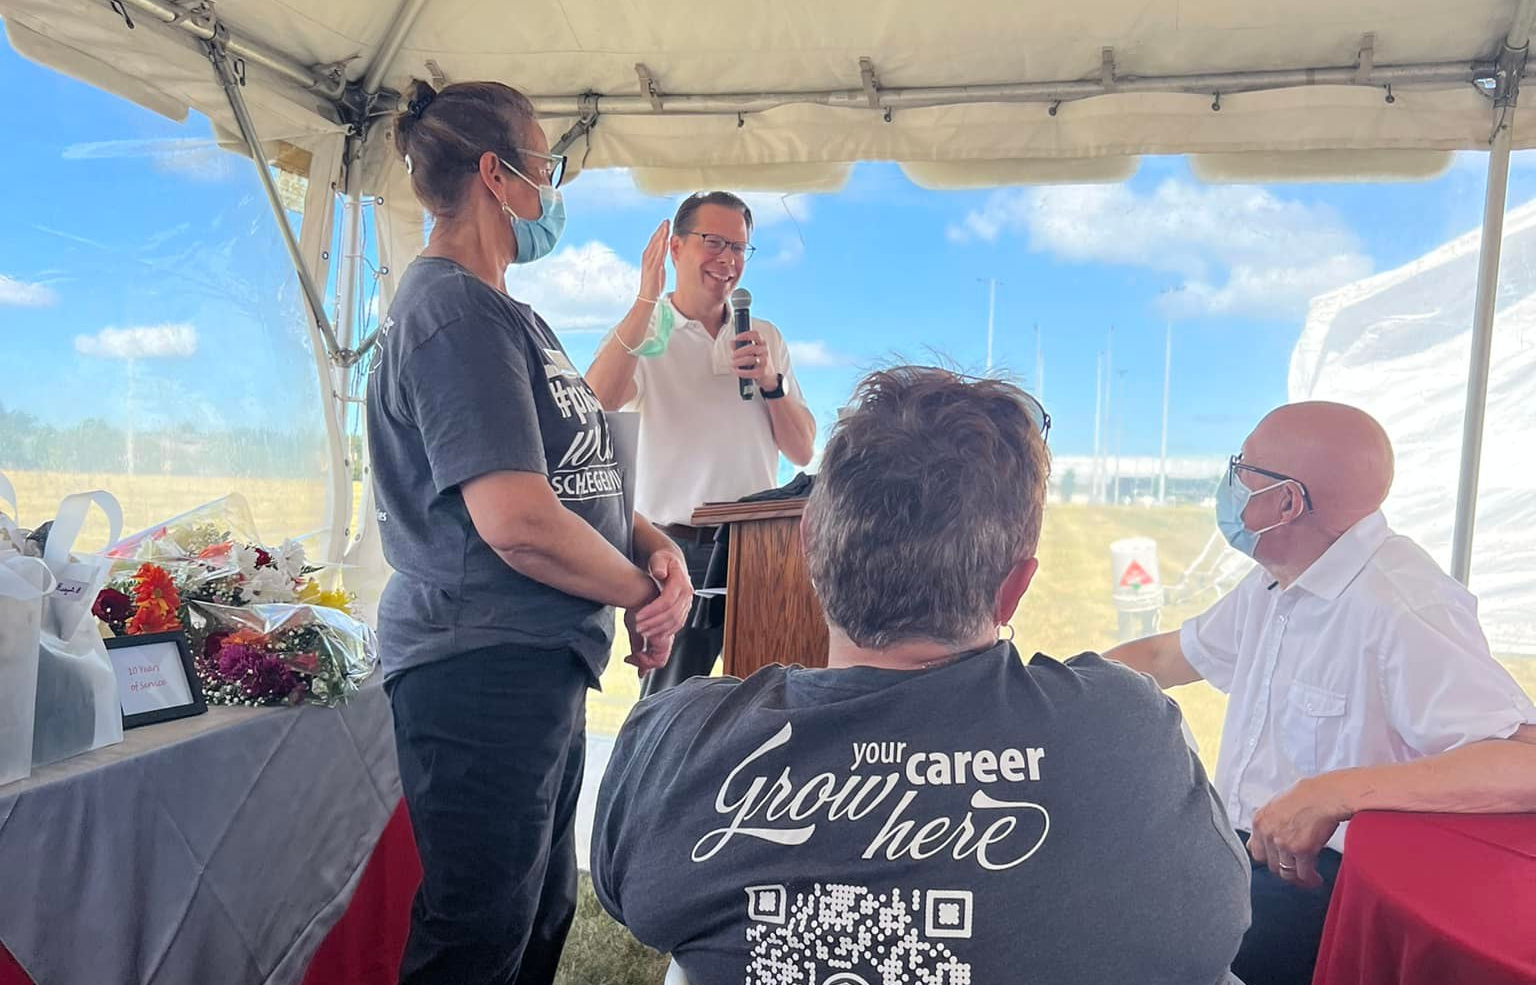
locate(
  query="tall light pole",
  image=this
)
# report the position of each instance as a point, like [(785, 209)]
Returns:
[(1098, 417), (991, 283), (1162, 472), (1109, 389), (1039, 368)]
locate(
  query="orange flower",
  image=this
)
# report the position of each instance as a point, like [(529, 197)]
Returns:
[(156, 602), (153, 619), (151, 583)]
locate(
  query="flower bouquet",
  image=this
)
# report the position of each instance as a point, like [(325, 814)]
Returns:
[(214, 555), (279, 654), (261, 626)]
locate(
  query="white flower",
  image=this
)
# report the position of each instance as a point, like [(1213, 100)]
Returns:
[(245, 558), (269, 585), (290, 559)]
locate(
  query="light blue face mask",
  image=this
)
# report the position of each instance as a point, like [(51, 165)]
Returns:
[(536, 238), (1232, 498), (659, 332)]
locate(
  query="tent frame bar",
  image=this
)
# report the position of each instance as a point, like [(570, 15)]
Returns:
[(200, 21), (1511, 67), (329, 81), (230, 78), (1480, 74), (394, 40)]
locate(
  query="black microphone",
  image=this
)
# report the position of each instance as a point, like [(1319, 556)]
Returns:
[(741, 300)]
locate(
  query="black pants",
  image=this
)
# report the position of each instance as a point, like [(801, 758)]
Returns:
[(491, 746), (1280, 947), (695, 649)]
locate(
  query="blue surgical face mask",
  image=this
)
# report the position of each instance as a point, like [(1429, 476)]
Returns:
[(1232, 498), (536, 238)]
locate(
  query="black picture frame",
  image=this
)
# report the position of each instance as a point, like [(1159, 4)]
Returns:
[(119, 647)]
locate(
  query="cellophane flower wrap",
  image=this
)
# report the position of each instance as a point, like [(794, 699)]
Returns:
[(279, 653), (262, 625)]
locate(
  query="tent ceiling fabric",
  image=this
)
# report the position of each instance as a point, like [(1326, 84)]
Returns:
[(558, 50), (160, 69)]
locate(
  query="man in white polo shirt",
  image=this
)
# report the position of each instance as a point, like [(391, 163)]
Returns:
[(1358, 676), (676, 360)]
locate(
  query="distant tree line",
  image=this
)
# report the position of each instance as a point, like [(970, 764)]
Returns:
[(95, 445)]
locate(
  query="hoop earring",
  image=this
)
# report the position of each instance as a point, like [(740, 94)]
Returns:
[(1009, 637)]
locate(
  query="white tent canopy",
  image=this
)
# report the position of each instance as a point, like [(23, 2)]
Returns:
[(767, 90), (787, 95)]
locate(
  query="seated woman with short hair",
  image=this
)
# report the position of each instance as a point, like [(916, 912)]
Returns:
[(929, 807)]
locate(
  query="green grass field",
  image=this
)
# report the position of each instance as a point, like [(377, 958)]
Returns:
[(1067, 610)]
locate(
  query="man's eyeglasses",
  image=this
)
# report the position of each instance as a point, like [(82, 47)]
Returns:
[(715, 245), (1236, 464)]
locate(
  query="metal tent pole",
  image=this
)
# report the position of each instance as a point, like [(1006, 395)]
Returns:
[(204, 26), (1511, 65), (231, 83), (389, 47)]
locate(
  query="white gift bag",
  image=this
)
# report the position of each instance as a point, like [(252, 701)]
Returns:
[(78, 707), (24, 583), (11, 541)]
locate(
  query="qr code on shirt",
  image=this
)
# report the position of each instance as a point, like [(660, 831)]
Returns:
[(846, 935)]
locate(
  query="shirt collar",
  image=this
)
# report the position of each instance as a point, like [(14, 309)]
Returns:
[(681, 320), (1329, 575)]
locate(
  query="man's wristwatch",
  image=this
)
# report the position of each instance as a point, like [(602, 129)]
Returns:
[(775, 393)]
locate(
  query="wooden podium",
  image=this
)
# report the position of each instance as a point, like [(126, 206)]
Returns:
[(771, 613)]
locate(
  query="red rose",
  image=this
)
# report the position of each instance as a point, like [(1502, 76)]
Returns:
[(113, 608)]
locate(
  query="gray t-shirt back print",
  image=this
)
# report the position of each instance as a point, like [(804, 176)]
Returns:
[(986, 822)]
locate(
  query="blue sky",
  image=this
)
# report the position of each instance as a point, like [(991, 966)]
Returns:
[(140, 273)]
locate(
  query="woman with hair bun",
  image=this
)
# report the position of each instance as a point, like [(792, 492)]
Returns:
[(501, 512)]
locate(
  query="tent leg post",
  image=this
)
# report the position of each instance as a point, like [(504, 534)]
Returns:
[(1483, 317), (347, 281)]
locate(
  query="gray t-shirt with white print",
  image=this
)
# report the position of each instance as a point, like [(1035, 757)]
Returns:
[(467, 382), (987, 822)]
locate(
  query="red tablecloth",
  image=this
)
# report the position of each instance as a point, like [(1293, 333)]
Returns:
[(365, 946), (1433, 899)]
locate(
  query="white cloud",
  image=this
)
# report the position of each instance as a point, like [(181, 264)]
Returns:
[(1476, 161), (190, 157), (791, 251), (167, 341), (583, 288), (772, 208), (816, 354), (1237, 250), (613, 188), (23, 294)]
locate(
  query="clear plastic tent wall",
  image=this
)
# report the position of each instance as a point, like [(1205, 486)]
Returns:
[(1396, 344)]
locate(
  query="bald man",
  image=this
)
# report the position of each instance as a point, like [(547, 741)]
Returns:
[(1358, 676)]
